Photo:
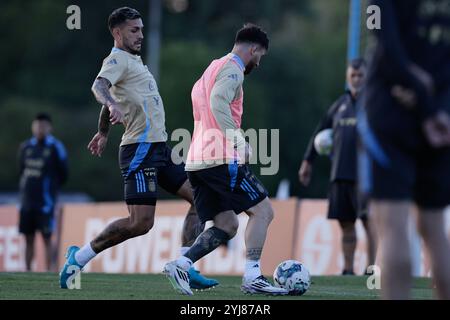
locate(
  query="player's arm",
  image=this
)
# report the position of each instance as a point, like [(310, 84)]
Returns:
[(325, 123), (21, 158), (306, 167), (103, 121), (113, 71), (224, 91), (100, 88), (98, 142), (62, 167)]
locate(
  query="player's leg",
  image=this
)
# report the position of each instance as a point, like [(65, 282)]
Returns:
[(211, 203), (371, 242), (343, 207), (388, 173), (27, 226), (391, 221), (47, 238), (260, 216), (192, 226), (46, 225), (139, 222), (432, 196), (140, 193), (29, 250), (224, 229), (369, 228), (390, 206), (250, 196), (140, 180), (173, 179), (432, 229), (348, 242)]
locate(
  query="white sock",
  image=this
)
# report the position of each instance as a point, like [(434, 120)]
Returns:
[(252, 270), (85, 254), (183, 250), (184, 263)]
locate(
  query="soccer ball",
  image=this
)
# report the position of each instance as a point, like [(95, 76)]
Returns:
[(323, 142), (292, 276)]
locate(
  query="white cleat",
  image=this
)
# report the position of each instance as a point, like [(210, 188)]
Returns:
[(262, 286), (178, 278)]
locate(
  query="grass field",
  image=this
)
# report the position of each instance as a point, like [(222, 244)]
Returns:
[(156, 287)]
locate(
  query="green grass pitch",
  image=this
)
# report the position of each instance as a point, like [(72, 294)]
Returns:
[(95, 286)]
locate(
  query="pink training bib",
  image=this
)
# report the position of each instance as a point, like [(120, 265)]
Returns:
[(209, 144)]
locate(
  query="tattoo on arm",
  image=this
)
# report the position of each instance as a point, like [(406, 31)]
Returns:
[(100, 88), (254, 253), (103, 121)]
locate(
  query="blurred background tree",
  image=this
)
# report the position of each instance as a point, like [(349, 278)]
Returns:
[(46, 67)]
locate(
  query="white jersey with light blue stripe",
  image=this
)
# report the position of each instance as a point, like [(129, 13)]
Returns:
[(136, 92)]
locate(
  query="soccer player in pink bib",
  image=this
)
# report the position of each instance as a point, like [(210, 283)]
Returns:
[(217, 166)]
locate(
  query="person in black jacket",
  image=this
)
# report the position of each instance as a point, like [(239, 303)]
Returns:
[(43, 169), (343, 201), (405, 129)]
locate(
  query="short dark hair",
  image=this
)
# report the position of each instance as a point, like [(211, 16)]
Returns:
[(253, 34), (43, 116), (357, 63), (121, 15)]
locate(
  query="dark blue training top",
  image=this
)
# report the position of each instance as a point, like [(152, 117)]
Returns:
[(413, 31), (43, 169), (341, 117)]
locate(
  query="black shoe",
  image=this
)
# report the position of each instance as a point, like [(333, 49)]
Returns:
[(348, 273)]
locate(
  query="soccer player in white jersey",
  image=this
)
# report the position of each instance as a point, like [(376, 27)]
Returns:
[(129, 95)]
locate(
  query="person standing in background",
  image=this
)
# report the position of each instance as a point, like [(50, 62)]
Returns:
[(43, 169)]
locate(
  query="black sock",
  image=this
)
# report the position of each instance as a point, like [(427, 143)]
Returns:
[(206, 242)]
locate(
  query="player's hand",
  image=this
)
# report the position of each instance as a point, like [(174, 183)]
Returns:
[(115, 115), (437, 129), (404, 96), (305, 172), (98, 144)]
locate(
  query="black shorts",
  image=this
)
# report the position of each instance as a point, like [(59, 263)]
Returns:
[(32, 220), (396, 161), (343, 202), (144, 166), (224, 188)]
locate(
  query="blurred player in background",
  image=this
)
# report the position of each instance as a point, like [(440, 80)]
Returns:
[(344, 204), (43, 169), (129, 95), (406, 134), (217, 166)]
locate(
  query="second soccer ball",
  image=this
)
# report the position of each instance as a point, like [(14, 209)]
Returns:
[(323, 142)]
